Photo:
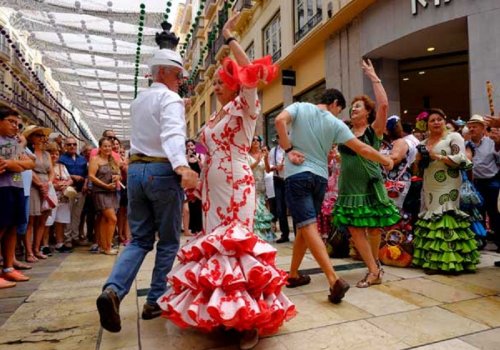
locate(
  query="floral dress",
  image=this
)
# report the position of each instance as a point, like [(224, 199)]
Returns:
[(227, 275), (262, 226), (443, 238), (332, 190)]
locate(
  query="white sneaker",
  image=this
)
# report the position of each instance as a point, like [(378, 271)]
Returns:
[(249, 339)]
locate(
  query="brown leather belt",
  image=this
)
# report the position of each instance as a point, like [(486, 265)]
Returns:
[(142, 158)]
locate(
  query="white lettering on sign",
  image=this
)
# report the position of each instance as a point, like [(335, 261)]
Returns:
[(424, 4)]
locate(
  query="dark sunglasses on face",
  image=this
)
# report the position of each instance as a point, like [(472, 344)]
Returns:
[(71, 144), (39, 135)]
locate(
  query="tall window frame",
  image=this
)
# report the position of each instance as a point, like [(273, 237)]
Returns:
[(250, 51), (272, 38), (307, 14)]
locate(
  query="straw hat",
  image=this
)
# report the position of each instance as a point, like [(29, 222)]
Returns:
[(476, 118), (167, 57), (34, 128)]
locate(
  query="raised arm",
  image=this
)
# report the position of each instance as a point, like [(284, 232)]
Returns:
[(380, 98), (227, 31)]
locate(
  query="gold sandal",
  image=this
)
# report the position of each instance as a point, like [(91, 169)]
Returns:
[(377, 279)]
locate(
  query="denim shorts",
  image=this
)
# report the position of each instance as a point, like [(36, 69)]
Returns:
[(13, 211), (304, 194)]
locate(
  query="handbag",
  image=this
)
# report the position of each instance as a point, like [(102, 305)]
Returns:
[(50, 201), (469, 196), (70, 192), (397, 249)]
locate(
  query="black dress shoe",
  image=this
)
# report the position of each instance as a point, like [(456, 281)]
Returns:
[(497, 263), (283, 240), (151, 311), (338, 290), (108, 305)]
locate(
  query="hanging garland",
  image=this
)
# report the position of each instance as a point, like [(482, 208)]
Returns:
[(142, 16)]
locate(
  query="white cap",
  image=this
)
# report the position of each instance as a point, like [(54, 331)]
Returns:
[(167, 57)]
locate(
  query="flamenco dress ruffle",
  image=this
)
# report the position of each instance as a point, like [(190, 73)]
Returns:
[(444, 241), (227, 279), (262, 226), (365, 210)]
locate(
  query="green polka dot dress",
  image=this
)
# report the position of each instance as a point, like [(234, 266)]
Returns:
[(443, 238)]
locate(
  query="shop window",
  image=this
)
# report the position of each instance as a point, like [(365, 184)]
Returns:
[(312, 95), (272, 38), (308, 13)]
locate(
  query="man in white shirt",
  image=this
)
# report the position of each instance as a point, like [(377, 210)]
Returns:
[(277, 163), (157, 174)]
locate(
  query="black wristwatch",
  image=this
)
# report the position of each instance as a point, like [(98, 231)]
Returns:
[(289, 149)]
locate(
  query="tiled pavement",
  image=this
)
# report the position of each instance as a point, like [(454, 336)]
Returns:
[(410, 310)]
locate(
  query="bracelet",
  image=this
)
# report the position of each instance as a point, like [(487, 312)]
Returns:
[(228, 40), (377, 81), (289, 149)]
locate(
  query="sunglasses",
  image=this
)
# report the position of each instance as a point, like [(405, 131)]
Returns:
[(39, 135), (71, 144)]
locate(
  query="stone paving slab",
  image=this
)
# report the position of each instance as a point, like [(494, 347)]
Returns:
[(409, 311)]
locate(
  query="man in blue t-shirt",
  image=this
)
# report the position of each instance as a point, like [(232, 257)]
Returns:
[(313, 130)]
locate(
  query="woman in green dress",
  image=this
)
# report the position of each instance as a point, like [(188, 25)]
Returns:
[(363, 205), (443, 240)]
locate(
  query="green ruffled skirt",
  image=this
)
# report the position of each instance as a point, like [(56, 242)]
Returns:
[(445, 243), (262, 226), (364, 211)]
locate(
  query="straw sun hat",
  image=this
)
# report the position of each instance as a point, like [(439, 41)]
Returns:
[(35, 128)]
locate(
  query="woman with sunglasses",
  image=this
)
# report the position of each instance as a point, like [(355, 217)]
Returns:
[(43, 177)]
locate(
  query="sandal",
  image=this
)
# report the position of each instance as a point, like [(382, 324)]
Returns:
[(40, 255), (30, 258), (301, 280), (371, 279), (21, 266)]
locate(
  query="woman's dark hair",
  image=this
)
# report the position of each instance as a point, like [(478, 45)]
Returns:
[(190, 141), (436, 111), (369, 106), (113, 139), (330, 95), (7, 111)]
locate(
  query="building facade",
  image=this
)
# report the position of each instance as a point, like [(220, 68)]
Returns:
[(429, 53), (27, 86)]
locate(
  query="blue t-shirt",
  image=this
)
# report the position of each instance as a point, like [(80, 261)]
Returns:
[(313, 133), (10, 149)]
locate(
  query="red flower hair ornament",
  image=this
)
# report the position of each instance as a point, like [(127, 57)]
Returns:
[(249, 76)]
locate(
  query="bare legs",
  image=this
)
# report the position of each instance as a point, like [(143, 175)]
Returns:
[(185, 218), (122, 223), (107, 226), (308, 237), (367, 242)]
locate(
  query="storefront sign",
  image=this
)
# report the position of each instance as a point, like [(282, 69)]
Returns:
[(424, 4)]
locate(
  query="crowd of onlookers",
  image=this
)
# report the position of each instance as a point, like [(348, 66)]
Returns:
[(72, 198), (55, 196)]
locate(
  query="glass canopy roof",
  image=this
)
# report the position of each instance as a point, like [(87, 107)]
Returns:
[(90, 47)]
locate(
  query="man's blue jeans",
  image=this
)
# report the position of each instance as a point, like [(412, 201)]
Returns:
[(154, 206)]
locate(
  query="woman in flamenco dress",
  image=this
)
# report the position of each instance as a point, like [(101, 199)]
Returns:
[(226, 277)]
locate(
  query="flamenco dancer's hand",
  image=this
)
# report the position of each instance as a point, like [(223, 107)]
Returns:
[(296, 157), (230, 24), (369, 71)]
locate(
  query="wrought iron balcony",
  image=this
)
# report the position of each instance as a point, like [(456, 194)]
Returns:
[(240, 5), (306, 28), (276, 56), (210, 59)]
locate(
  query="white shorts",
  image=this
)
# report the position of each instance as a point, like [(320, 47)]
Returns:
[(61, 214)]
